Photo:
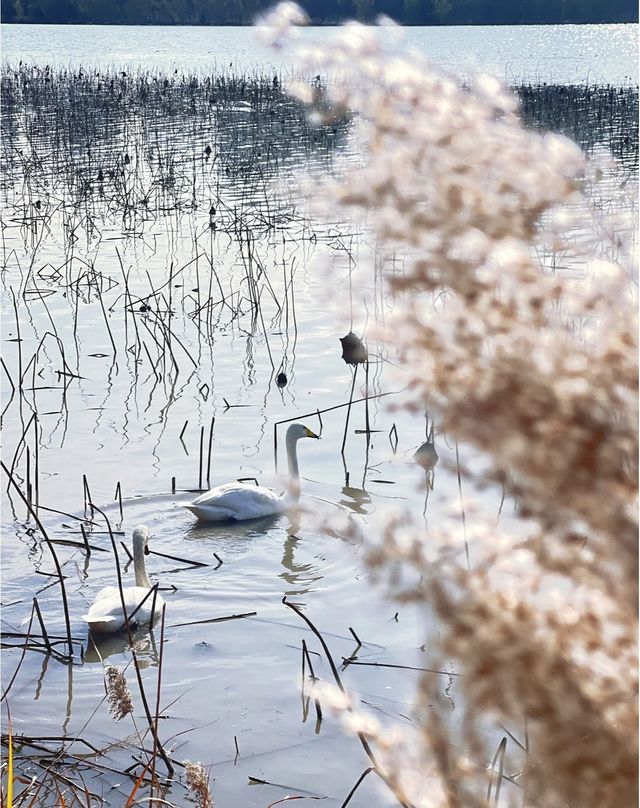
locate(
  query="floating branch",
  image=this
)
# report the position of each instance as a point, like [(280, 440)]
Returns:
[(215, 619), (177, 558)]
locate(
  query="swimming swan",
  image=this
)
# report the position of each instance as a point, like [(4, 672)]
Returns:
[(239, 501), (105, 615)]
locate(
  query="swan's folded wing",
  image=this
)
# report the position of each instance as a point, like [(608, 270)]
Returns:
[(238, 501), (107, 592)]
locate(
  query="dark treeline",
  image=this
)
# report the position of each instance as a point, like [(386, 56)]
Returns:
[(240, 12)]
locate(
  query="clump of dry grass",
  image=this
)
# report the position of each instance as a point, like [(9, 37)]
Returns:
[(198, 783), (542, 624), (118, 693)]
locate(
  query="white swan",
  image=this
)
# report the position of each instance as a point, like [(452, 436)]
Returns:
[(105, 615), (239, 501)]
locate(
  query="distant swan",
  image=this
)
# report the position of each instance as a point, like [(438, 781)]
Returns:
[(105, 615), (239, 501)]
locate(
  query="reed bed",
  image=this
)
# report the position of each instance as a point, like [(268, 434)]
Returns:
[(596, 117), (141, 143)]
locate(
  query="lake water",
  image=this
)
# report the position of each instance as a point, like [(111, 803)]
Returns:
[(178, 285), (552, 53)]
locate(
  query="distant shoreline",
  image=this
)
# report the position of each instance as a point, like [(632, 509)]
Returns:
[(334, 24)]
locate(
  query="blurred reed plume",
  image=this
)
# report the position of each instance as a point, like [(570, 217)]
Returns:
[(118, 693), (537, 374), (198, 784)]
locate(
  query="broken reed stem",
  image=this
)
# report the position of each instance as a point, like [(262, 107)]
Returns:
[(366, 400), (87, 495), (118, 498), (28, 476), (157, 715), (349, 661), (43, 628), (306, 660), (177, 558), (213, 421), (106, 322), (347, 799), (63, 591), (355, 636), (85, 539), (21, 443), (346, 422), (200, 458), (499, 755)]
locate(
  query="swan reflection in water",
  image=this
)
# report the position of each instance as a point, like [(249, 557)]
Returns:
[(426, 457), (101, 646)]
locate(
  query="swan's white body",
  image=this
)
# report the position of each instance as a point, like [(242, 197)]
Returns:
[(239, 501), (106, 616)]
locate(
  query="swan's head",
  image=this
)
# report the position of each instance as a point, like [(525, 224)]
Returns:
[(297, 431), (141, 537)]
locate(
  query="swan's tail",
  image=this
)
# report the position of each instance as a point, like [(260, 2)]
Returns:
[(198, 510), (104, 624), (103, 618)]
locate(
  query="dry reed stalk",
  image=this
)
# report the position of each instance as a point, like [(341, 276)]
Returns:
[(118, 693), (198, 783)]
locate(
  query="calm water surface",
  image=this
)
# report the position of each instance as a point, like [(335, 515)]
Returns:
[(558, 53)]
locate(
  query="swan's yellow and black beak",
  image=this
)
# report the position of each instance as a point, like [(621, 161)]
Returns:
[(310, 434)]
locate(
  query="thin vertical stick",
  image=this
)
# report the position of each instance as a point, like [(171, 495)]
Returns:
[(366, 400), (29, 488), (36, 472), (85, 538), (118, 498), (157, 715), (346, 423), (275, 446), (87, 495), (42, 625), (200, 458), (357, 784), (213, 421), (106, 322)]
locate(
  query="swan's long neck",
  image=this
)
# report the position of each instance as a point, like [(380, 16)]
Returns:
[(294, 472), (138, 563)]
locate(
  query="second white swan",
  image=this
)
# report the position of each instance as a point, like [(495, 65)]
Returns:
[(106, 615), (239, 501)]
